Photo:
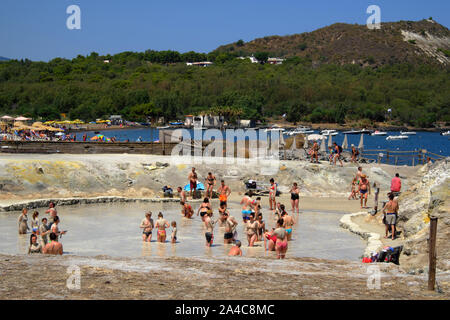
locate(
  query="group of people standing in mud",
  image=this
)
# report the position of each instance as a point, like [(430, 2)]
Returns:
[(255, 228), (361, 187), (45, 233)]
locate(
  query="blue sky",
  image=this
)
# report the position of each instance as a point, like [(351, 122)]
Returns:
[(37, 29)]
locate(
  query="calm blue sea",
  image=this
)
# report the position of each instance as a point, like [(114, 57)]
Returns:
[(431, 141)]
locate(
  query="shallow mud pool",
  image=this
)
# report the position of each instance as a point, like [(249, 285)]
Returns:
[(113, 229)]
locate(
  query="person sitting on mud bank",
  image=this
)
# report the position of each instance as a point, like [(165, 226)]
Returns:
[(147, 225), (161, 224), (236, 249), (390, 212), (186, 210), (54, 247)]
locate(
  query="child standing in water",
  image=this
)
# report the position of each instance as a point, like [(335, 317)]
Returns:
[(174, 231)]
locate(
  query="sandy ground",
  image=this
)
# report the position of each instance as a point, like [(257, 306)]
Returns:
[(45, 277)]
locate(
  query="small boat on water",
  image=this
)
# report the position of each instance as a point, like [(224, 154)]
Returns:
[(407, 133), (330, 132), (363, 131), (397, 137), (379, 133), (446, 133), (274, 128)]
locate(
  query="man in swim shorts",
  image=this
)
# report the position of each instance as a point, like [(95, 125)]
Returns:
[(54, 247), (224, 192), (52, 211), (209, 225), (230, 228), (364, 189), (192, 181)]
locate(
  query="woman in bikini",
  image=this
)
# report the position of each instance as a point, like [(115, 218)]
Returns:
[(161, 224), (204, 208), (269, 240), (353, 191), (35, 223), (147, 225), (281, 245), (210, 182), (272, 194), (261, 226), (295, 197), (251, 229)]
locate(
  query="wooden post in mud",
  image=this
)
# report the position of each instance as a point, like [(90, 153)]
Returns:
[(432, 254)]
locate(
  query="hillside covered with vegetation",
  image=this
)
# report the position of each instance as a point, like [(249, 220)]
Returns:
[(152, 84)]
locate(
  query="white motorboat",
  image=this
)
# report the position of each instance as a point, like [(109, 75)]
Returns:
[(274, 128), (397, 137), (379, 133), (300, 130), (447, 133), (407, 133), (363, 131), (330, 132)]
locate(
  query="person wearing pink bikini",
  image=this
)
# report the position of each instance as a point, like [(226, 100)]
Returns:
[(281, 245)]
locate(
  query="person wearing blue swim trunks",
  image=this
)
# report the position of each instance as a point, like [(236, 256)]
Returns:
[(288, 223)]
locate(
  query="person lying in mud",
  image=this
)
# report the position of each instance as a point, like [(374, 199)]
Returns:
[(23, 221), (186, 210), (288, 223), (35, 246), (230, 225), (204, 208), (251, 229), (209, 226), (161, 224), (182, 194), (53, 247), (236, 249), (281, 245), (147, 225)]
